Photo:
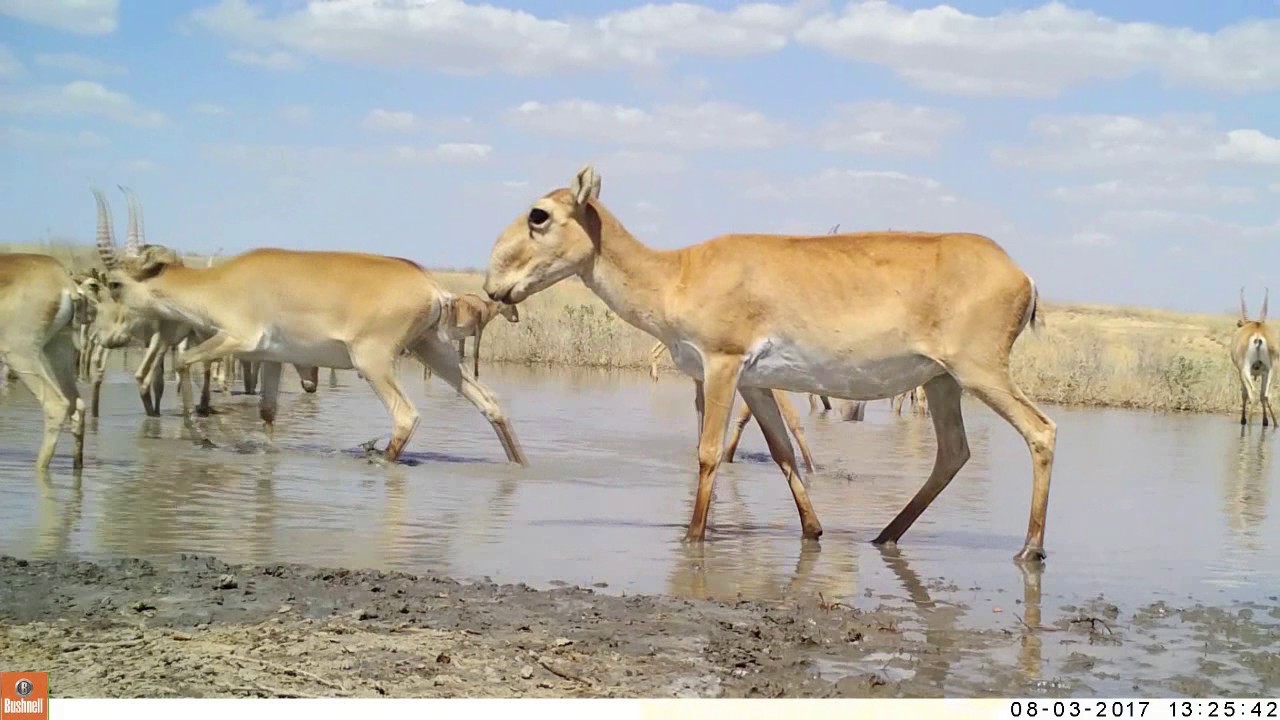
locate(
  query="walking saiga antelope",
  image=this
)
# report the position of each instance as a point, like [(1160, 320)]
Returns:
[(474, 313), (40, 307), (788, 410), (1253, 352), (749, 312), (324, 309)]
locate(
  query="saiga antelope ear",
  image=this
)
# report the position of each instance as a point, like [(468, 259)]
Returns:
[(586, 185)]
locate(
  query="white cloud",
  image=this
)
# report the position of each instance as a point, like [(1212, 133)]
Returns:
[(1082, 142), (459, 37), (1249, 146), (1172, 191), (82, 17), (301, 161), (211, 109), (867, 200), (390, 120), (80, 65), (1092, 238), (142, 166), (295, 113), (451, 153), (1193, 227), (10, 66), (1039, 52), (24, 138), (706, 126), (631, 163), (887, 127), (81, 97), (833, 183), (276, 60)]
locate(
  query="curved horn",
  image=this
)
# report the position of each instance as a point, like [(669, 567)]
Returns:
[(1244, 312), (1265, 293), (133, 241), (106, 237)]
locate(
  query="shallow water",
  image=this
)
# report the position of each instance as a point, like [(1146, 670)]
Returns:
[(1144, 507)]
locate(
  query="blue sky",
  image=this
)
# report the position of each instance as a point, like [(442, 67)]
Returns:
[(1122, 152)]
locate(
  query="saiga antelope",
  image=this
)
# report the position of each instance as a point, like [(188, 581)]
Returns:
[(40, 307), (119, 326), (473, 314), (919, 401), (1253, 352), (751, 312), (325, 309), (789, 415)]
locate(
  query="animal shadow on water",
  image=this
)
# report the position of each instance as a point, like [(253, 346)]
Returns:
[(369, 451)]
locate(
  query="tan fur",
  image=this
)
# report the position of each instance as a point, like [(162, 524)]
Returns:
[(336, 309), (938, 309), (39, 303), (1255, 378)]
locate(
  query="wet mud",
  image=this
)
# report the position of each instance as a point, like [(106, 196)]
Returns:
[(198, 627)]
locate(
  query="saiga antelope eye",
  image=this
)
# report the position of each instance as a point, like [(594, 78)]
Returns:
[(538, 216)]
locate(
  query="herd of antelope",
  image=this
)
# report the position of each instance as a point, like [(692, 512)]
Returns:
[(932, 315)]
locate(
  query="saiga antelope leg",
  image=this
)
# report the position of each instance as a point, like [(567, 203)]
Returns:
[(309, 375), (97, 372), (206, 388), (333, 378), (183, 371), (1246, 395), (143, 375), (380, 373), (764, 405), (220, 344), (792, 419), (720, 381), (249, 375), (655, 354), (1266, 397), (952, 454), (439, 355), (699, 403), (58, 402), (735, 436), (997, 390), (269, 374), (157, 380)]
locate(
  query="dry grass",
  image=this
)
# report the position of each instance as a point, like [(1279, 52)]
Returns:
[(1082, 355)]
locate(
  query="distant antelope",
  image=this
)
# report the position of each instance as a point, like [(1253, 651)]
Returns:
[(40, 306), (860, 316), (323, 309), (789, 414), (919, 401), (1253, 352), (474, 313)]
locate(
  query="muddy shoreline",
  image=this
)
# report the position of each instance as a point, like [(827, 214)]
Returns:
[(197, 627)]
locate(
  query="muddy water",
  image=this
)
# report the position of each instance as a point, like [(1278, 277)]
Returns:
[(1148, 513)]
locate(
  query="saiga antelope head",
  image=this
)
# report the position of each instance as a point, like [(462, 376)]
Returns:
[(554, 239), (129, 273)]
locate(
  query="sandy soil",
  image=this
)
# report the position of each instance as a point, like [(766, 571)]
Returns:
[(200, 628)]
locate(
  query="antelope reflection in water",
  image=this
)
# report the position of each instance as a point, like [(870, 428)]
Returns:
[(1244, 491)]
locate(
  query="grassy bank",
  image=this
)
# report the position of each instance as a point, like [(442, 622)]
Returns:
[(1083, 355)]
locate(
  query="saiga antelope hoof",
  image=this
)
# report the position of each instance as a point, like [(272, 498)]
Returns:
[(1030, 554)]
